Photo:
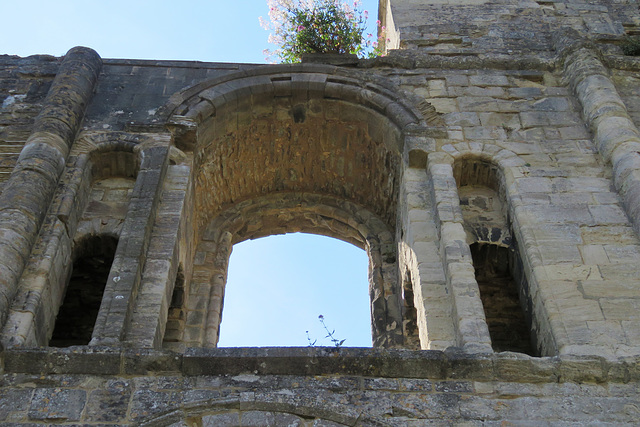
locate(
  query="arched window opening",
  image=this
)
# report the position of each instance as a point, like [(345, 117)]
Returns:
[(114, 163), (503, 299), (278, 286), (83, 295), (176, 316), (504, 289)]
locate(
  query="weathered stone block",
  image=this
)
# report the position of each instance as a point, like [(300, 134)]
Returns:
[(57, 404)]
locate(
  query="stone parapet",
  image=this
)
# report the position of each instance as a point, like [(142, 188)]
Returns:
[(328, 386), (310, 361)]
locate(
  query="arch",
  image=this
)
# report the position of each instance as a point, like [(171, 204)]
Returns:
[(295, 94), (189, 107), (454, 171), (330, 411), (311, 213), (503, 285), (315, 149), (76, 199), (111, 165)]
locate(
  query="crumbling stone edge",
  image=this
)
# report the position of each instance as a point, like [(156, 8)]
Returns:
[(311, 361)]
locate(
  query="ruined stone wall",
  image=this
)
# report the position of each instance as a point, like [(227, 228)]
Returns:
[(311, 386), (502, 130), (469, 27), (24, 84)]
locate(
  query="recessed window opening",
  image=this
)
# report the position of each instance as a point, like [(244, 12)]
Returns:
[(278, 286), (505, 308), (499, 271), (83, 295), (412, 339), (176, 316)]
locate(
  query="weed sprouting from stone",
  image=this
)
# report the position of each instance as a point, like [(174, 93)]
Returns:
[(330, 334), (311, 343), (631, 46)]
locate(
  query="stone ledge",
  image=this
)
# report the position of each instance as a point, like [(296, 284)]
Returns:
[(311, 361)]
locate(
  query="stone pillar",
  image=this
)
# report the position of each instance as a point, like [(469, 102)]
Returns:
[(616, 136), (29, 190), (149, 318), (125, 276), (472, 333)]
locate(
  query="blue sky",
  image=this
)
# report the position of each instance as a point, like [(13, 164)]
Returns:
[(212, 31), (278, 286)]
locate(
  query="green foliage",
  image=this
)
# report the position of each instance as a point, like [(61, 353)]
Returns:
[(326, 29), (318, 26), (631, 46)]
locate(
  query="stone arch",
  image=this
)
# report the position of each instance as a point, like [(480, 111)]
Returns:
[(308, 134), (191, 106), (310, 213), (94, 157), (503, 285), (111, 164), (483, 175), (263, 405)]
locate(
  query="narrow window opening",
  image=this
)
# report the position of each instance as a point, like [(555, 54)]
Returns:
[(176, 316), (278, 286), (504, 289), (83, 295), (412, 339), (505, 304)]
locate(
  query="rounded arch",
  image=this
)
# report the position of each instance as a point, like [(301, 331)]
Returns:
[(98, 142), (194, 104), (309, 148), (492, 153), (207, 408), (305, 128), (310, 213), (489, 204)]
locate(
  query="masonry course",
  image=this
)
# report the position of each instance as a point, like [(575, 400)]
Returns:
[(495, 146)]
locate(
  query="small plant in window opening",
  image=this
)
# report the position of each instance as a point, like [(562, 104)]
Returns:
[(320, 26)]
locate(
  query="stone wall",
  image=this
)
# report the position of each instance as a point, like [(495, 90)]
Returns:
[(24, 85), (312, 386), (470, 27), (500, 131)]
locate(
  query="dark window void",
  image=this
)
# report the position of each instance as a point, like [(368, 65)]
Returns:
[(77, 315), (410, 317), (503, 290), (176, 316)]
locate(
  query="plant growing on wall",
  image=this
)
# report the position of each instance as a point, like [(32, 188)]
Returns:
[(300, 27), (330, 334), (631, 46)]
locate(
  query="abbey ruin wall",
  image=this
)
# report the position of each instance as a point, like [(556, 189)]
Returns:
[(488, 165)]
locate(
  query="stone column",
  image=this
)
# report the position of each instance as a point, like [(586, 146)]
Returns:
[(616, 136), (29, 190), (123, 284), (472, 333)]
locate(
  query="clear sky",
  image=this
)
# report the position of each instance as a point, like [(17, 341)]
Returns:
[(213, 30), (278, 286)]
